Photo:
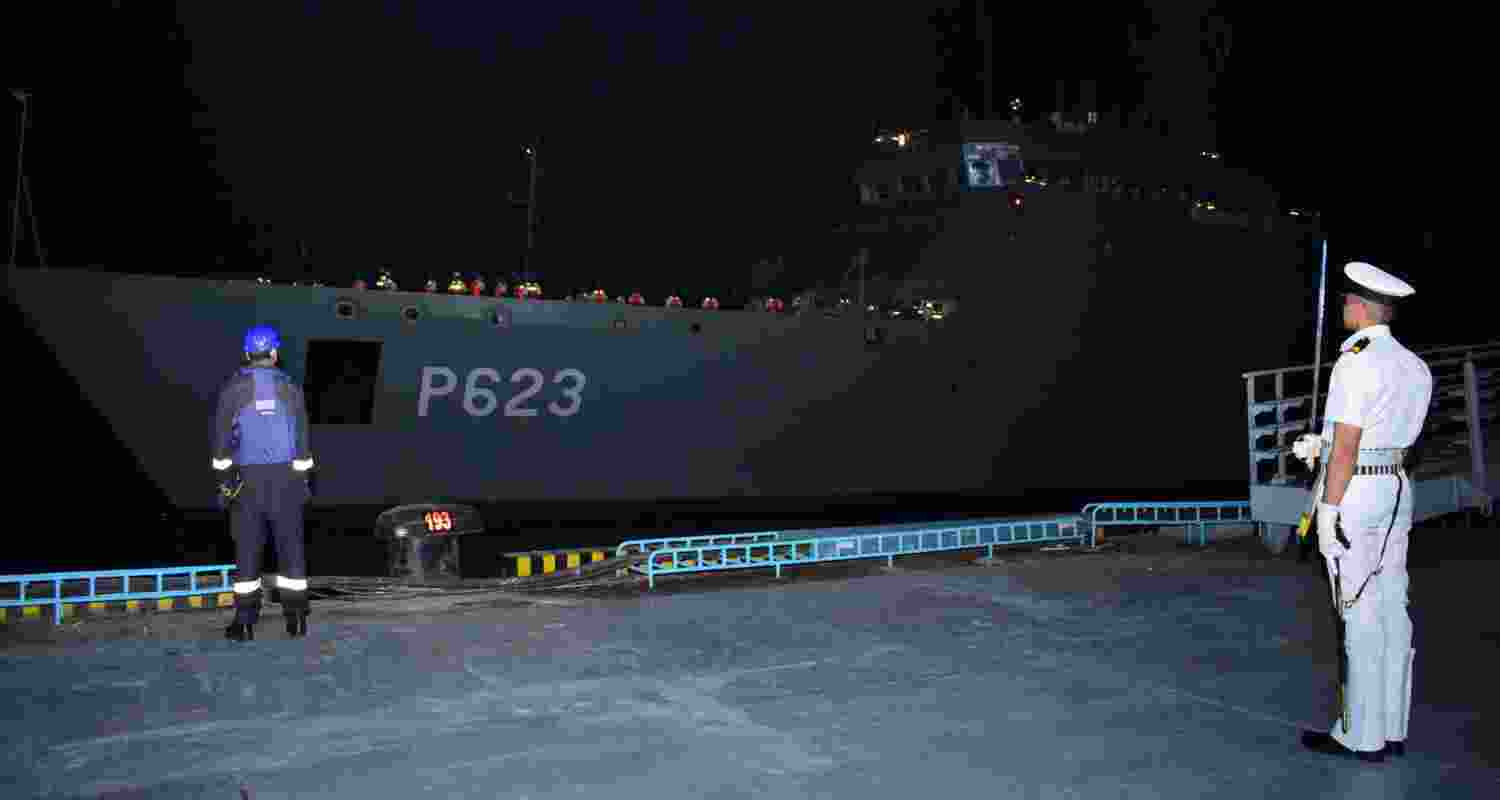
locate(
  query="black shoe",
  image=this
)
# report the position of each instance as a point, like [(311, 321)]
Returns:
[(1395, 748), (240, 632), (1325, 744), (296, 624)]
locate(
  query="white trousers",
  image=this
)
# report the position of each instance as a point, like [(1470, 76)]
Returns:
[(1378, 630)]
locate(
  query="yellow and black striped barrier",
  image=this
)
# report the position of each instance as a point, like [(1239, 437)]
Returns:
[(73, 610), (544, 562)]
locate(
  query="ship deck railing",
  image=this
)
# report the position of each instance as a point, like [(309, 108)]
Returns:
[(1452, 473), (64, 591)]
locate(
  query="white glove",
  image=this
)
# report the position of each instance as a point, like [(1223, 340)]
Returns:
[(1328, 520), (222, 464), (1307, 447), (302, 464)]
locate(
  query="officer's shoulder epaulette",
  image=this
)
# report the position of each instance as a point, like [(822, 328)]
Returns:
[(1360, 345)]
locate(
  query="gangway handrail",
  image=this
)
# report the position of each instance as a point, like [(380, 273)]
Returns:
[(887, 542), (656, 544), (58, 599), (644, 546), (1260, 373), (1463, 373), (1238, 511)]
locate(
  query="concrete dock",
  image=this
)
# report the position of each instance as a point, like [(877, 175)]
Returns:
[(1143, 671)]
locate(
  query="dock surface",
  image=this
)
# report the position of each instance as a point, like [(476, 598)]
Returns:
[(1147, 671)]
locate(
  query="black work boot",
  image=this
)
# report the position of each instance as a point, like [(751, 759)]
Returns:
[(294, 607), (246, 614), (1325, 744)]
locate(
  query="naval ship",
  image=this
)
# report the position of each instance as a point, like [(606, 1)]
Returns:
[(1087, 296)]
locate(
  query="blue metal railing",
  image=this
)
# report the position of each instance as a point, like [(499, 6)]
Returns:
[(703, 540), (874, 543), (711, 552), (1193, 515), (89, 583), (643, 546)]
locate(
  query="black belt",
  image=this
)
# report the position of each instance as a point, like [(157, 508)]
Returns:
[(1383, 469)]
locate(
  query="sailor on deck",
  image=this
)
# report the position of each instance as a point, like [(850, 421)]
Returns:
[(261, 430), (1377, 403)]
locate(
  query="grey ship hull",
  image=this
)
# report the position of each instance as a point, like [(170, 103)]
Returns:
[(1064, 369)]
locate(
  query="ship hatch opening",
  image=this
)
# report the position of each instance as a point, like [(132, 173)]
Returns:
[(341, 381)]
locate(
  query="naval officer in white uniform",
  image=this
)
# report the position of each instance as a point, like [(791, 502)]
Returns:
[(1377, 402)]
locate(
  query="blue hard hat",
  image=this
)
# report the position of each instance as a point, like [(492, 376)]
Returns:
[(261, 339)]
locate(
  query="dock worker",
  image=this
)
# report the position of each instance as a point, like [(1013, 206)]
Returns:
[(262, 455), (1377, 403)]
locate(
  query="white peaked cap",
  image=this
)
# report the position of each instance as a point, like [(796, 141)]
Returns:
[(1375, 283)]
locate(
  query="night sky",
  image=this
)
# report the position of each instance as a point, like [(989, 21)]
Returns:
[(682, 142)]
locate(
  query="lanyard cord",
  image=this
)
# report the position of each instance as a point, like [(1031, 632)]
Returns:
[(1380, 563)]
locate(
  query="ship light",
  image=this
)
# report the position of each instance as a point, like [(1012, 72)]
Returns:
[(1017, 200), (401, 533)]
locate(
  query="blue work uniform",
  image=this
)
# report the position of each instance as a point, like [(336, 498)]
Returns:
[(261, 426)]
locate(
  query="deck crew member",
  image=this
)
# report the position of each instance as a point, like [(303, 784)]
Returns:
[(1377, 403), (261, 430)]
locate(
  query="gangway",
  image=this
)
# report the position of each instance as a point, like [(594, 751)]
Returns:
[(1453, 472), (644, 546), (1194, 516), (860, 543)]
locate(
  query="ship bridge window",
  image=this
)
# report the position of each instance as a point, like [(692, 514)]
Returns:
[(340, 381)]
